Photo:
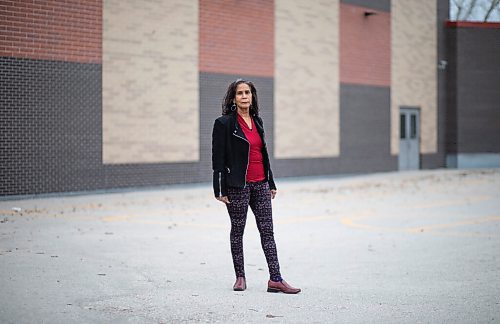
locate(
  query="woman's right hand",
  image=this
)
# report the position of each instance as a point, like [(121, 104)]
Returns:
[(223, 199)]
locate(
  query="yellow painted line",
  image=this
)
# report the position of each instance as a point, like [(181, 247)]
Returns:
[(249, 225), (446, 203), (471, 221), (303, 219), (430, 228), (176, 224), (464, 234), (118, 218), (370, 213), (7, 212), (133, 217), (350, 222)]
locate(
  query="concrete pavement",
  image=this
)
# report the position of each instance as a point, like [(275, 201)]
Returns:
[(384, 248)]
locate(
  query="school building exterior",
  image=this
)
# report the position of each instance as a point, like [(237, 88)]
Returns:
[(102, 94)]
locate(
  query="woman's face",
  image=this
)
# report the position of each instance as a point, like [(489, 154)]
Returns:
[(243, 98)]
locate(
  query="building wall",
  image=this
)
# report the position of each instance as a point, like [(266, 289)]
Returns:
[(50, 126), (363, 70), (365, 129), (231, 49), (50, 84), (236, 37), (438, 159), (148, 103), (307, 79), (474, 98), (414, 30), (365, 48), (109, 94), (73, 34)]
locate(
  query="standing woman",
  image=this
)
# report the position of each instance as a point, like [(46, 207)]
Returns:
[(243, 177)]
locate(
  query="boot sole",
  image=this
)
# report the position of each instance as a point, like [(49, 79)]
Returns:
[(275, 290), (240, 289)]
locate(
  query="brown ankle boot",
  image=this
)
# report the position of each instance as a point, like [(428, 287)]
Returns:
[(240, 284), (281, 286)]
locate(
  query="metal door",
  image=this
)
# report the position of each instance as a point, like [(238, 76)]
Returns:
[(409, 138)]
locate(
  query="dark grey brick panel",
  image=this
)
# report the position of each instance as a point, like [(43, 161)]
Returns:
[(51, 133), (432, 161), (306, 167), (477, 90), (365, 129), (382, 5), (451, 92)]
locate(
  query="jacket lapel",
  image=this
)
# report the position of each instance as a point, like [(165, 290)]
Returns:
[(260, 129), (236, 129)]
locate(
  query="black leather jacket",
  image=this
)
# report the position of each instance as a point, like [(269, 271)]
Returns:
[(230, 154)]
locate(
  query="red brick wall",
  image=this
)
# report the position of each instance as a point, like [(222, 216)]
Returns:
[(365, 46), (237, 37), (69, 30)]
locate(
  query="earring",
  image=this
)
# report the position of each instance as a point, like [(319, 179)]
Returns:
[(233, 107)]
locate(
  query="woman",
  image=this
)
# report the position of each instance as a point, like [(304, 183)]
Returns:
[(243, 177)]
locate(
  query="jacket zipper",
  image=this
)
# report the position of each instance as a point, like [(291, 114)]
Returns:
[(220, 184), (248, 158)]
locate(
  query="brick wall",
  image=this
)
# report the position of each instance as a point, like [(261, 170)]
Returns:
[(414, 76), (235, 41), (307, 79), (150, 79), (52, 86), (474, 76), (236, 37), (50, 100), (51, 30), (365, 46)]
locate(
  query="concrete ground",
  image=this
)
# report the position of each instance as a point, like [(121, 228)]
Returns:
[(409, 247)]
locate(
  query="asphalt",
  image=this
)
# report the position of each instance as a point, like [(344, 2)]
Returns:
[(401, 247)]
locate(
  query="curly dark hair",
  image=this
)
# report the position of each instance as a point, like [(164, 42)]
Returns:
[(228, 99)]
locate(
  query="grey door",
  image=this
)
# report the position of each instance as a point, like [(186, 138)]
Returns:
[(409, 138)]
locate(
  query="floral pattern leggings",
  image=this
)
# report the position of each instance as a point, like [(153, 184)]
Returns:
[(258, 196)]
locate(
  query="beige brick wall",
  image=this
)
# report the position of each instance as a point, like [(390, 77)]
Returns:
[(150, 81), (306, 79), (414, 68)]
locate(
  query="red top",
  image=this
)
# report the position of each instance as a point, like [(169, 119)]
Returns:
[(255, 171)]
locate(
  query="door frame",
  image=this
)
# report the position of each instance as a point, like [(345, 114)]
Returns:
[(409, 109)]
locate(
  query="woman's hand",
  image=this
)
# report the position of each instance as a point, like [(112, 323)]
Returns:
[(223, 199), (273, 193)]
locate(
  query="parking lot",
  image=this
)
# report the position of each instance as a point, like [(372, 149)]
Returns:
[(393, 247)]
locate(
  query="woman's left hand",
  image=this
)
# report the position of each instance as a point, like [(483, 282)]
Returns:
[(273, 193)]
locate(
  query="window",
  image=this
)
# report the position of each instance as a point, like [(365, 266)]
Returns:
[(413, 126), (402, 126)]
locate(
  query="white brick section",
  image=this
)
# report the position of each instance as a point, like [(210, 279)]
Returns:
[(150, 81), (306, 79)]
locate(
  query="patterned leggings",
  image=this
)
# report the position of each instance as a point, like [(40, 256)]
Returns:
[(258, 197)]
